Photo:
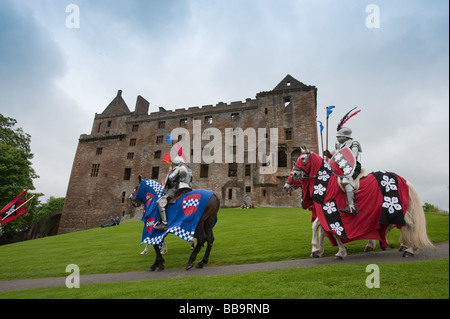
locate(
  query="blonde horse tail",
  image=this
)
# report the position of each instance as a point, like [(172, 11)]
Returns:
[(415, 235)]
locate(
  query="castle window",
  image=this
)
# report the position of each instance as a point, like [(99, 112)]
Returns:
[(157, 154), (266, 111), (130, 155), (282, 158), (287, 101), (232, 170), (94, 170), (288, 83), (123, 197), (161, 124), (204, 168), (135, 128), (208, 120), (99, 151), (288, 132), (99, 126), (183, 122), (235, 116), (264, 193), (133, 142), (155, 172), (159, 139), (248, 189), (230, 193), (109, 123), (127, 174), (247, 170)]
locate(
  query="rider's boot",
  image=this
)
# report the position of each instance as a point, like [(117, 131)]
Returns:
[(351, 208), (162, 213)]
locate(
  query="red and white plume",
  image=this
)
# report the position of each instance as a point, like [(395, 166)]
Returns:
[(346, 118)]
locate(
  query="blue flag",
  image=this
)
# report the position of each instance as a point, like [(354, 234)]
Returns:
[(169, 138), (321, 127), (330, 110)]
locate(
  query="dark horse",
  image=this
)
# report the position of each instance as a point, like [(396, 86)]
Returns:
[(203, 230)]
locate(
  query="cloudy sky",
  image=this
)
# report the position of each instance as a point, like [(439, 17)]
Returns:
[(55, 75)]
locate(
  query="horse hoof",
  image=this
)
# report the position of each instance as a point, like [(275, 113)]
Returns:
[(407, 254), (338, 258), (189, 266), (199, 266), (368, 249), (161, 268), (315, 254), (402, 248), (152, 268)]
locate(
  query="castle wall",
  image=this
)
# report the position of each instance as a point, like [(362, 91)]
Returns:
[(123, 145)]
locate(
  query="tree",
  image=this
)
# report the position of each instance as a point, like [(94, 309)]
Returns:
[(16, 172)]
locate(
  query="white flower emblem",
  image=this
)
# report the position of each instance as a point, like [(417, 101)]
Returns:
[(392, 204), (330, 207), (323, 176), (342, 163), (337, 228), (389, 184), (319, 189), (337, 157), (347, 170)]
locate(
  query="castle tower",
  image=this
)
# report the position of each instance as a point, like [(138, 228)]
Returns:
[(124, 144)]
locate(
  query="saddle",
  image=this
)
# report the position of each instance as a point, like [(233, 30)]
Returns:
[(180, 192), (361, 175)]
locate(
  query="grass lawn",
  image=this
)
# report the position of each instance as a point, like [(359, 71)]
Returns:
[(242, 236)]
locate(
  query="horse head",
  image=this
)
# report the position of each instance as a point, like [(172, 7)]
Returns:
[(301, 168), (299, 171), (136, 202)]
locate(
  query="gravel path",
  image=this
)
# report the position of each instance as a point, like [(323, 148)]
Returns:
[(393, 255)]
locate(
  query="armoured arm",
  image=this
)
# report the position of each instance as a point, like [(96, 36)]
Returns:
[(356, 148)]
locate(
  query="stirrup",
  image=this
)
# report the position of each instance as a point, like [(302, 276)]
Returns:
[(350, 211), (161, 226)]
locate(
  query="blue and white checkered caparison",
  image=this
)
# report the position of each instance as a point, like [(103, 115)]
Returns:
[(156, 186), (191, 202), (177, 230)]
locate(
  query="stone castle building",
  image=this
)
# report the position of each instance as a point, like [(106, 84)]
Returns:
[(124, 144)]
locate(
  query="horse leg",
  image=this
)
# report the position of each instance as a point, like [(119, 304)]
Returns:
[(164, 249), (197, 249), (159, 261), (145, 251), (210, 241), (342, 249), (371, 244), (317, 249)]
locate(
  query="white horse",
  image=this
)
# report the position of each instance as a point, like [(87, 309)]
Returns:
[(413, 233)]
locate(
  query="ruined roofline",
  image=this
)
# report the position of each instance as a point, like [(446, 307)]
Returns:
[(220, 107), (288, 85)]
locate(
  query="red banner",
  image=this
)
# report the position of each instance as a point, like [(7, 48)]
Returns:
[(14, 209)]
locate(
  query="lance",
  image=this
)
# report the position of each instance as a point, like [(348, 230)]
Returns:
[(321, 135), (329, 111)]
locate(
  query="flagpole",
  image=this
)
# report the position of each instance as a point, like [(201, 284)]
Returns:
[(327, 129), (18, 208)]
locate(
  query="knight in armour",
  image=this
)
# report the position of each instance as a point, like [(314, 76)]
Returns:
[(344, 139), (178, 182)]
